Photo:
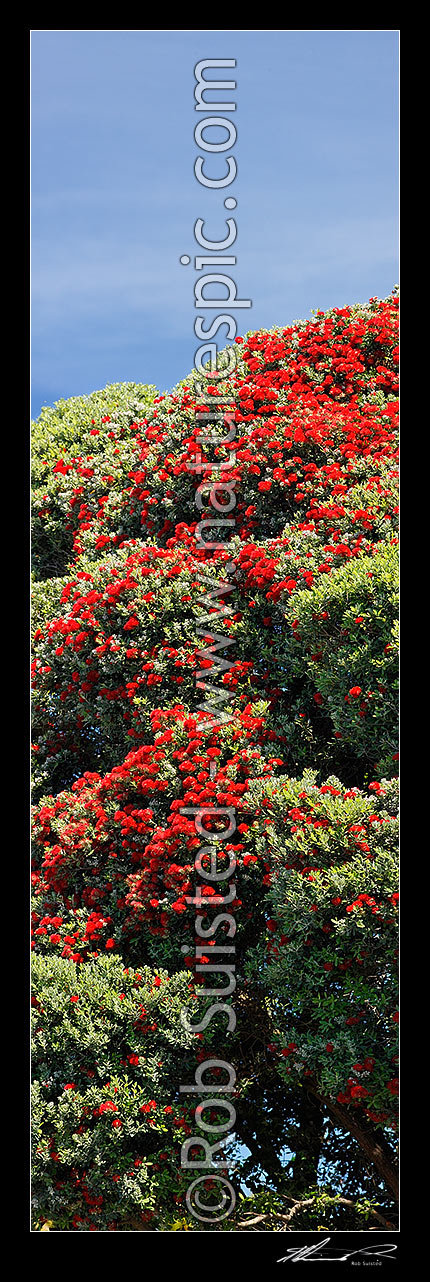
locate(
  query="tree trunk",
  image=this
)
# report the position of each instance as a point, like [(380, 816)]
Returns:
[(375, 1148)]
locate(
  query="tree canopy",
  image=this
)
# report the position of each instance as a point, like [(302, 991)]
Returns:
[(287, 627)]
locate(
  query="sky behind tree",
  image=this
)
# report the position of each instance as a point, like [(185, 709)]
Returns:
[(115, 199)]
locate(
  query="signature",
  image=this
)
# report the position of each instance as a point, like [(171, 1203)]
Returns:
[(321, 1251)]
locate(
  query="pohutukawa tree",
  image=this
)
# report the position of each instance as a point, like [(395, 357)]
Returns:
[(291, 625)]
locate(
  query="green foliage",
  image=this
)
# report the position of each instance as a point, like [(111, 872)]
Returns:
[(106, 1041), (329, 965), (346, 640), (77, 441)]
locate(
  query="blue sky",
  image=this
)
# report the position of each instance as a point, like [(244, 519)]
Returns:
[(115, 199)]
